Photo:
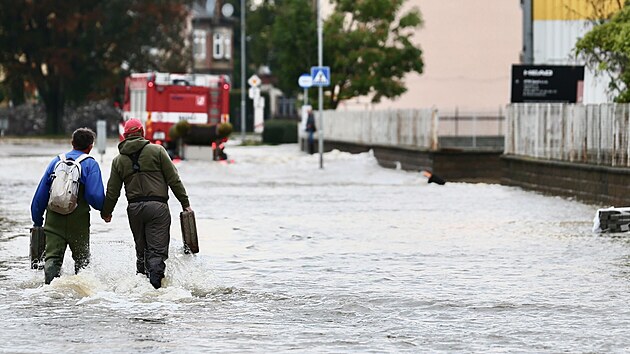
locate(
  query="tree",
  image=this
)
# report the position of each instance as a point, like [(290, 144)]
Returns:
[(369, 49), (259, 23), (606, 47), (283, 37), (367, 44), (294, 43), (252, 32), (76, 50)]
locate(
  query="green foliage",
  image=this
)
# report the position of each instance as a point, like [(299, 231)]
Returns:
[(251, 33), (296, 44), (607, 49), (280, 131), (369, 49), (368, 45), (224, 130), (179, 130), (75, 50), (287, 47), (201, 134), (235, 110), (259, 23)]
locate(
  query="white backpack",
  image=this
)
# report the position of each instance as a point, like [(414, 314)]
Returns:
[(64, 190)]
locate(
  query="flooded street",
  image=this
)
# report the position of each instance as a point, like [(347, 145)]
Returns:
[(351, 258)]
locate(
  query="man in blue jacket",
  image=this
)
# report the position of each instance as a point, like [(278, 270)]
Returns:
[(72, 229)]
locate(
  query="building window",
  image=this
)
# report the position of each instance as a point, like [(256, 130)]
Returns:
[(199, 44), (218, 47), (228, 47)]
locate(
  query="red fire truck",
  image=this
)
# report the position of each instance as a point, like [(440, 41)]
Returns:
[(161, 100)]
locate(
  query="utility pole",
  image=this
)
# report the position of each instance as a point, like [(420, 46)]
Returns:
[(320, 63), (243, 59), (527, 56)]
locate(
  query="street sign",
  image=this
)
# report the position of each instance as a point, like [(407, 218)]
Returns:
[(547, 83), (254, 93), (254, 81), (320, 75), (305, 81)]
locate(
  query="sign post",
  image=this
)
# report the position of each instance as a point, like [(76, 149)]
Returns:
[(243, 70), (101, 137), (259, 103), (320, 62), (321, 78), (305, 81)]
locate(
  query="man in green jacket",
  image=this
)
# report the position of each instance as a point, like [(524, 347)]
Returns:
[(147, 172)]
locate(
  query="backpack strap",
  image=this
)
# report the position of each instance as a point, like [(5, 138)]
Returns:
[(62, 159), (77, 162), (134, 159), (82, 157)]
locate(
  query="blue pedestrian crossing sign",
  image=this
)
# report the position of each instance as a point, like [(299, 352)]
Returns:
[(320, 75)]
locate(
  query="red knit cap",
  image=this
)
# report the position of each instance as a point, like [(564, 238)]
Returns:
[(133, 126)]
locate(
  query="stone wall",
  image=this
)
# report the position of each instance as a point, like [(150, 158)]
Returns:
[(602, 185), (30, 119), (452, 164)]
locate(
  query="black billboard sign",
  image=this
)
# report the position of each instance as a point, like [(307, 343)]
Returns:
[(547, 83)]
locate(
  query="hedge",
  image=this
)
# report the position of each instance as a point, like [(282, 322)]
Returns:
[(280, 131)]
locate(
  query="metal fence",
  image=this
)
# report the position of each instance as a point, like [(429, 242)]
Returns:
[(472, 125), (597, 134), (476, 131), (410, 128), (286, 108)]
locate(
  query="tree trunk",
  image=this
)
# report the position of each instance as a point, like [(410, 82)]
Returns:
[(16, 91), (334, 99), (54, 101)]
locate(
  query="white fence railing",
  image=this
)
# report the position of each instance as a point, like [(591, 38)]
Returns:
[(411, 128), (597, 134)]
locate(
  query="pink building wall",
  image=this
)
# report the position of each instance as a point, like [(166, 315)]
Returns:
[(468, 49)]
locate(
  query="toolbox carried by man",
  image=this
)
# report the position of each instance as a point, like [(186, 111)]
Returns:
[(189, 232)]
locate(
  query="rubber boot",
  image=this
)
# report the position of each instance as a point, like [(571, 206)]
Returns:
[(55, 250), (52, 270), (156, 280), (140, 267)]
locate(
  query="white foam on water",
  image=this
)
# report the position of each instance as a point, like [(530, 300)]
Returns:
[(285, 165), (110, 280), (82, 285)]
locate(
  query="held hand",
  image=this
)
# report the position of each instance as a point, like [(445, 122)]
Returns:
[(188, 209)]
